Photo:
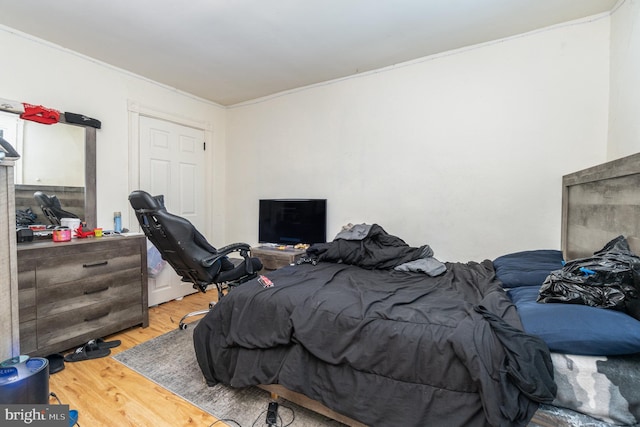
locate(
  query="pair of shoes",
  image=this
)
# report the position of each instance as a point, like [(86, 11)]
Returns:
[(94, 349), (56, 363)]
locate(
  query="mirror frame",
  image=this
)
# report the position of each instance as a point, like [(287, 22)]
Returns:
[(90, 196), (90, 153)]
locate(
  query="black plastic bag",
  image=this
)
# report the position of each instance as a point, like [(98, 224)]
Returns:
[(608, 279)]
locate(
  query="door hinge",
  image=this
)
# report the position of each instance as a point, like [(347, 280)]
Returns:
[(204, 145)]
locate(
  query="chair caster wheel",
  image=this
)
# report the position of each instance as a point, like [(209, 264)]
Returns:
[(183, 326)]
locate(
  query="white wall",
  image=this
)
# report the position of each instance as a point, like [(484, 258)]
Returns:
[(624, 112), (463, 151), (37, 72)]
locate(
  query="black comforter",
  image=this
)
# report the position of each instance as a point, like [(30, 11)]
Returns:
[(385, 347)]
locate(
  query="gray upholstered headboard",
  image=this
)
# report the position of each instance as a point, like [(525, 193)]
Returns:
[(599, 204)]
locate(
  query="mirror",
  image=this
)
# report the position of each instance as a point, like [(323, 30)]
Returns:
[(59, 160), (50, 155)]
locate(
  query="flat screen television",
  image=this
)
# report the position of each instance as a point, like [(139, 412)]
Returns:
[(292, 221)]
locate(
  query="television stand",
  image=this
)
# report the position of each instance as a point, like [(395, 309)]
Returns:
[(274, 258)]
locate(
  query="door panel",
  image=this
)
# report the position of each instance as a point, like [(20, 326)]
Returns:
[(188, 178), (159, 176)]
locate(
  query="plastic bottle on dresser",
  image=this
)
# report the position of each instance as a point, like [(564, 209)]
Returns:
[(117, 222)]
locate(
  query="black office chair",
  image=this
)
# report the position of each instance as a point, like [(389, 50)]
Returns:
[(51, 208), (188, 252)]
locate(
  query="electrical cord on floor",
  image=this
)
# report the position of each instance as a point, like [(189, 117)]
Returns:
[(293, 416), (280, 422), (225, 420), (55, 396), (261, 417), (52, 394)]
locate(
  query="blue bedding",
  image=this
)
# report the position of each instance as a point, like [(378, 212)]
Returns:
[(527, 268), (595, 351), (576, 328), (566, 328)]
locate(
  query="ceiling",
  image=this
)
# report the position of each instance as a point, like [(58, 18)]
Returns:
[(230, 51)]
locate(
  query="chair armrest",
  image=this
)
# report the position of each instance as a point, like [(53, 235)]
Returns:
[(233, 247), (243, 248)]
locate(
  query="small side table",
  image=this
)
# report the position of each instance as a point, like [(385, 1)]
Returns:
[(274, 258)]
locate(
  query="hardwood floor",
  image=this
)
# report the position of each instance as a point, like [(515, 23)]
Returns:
[(106, 393)]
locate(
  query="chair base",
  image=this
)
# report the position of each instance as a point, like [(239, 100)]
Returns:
[(220, 287), (183, 325)]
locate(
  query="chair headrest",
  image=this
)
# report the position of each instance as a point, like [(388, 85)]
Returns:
[(140, 199), (45, 200)]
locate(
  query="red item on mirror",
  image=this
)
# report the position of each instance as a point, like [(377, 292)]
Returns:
[(40, 114)]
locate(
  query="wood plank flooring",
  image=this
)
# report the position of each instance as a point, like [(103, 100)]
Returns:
[(106, 393)]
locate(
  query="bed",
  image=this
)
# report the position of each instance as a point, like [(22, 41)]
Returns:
[(358, 336)]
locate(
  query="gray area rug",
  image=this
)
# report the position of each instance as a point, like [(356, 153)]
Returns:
[(170, 361)]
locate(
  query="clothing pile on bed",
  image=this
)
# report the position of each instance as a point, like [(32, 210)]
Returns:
[(595, 350), (370, 246), (381, 345)]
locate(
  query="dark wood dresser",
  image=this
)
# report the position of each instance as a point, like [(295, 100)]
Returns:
[(72, 292)]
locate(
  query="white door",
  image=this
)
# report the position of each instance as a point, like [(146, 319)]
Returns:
[(172, 164)]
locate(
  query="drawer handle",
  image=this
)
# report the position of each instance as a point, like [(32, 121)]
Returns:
[(99, 316), (95, 291), (97, 264)]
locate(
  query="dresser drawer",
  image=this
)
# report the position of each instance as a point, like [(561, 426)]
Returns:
[(96, 320), (26, 291), (98, 289), (86, 265), (28, 336)]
